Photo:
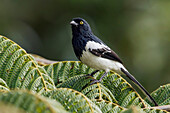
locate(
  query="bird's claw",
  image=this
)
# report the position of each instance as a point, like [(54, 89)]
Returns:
[(94, 81), (87, 75)]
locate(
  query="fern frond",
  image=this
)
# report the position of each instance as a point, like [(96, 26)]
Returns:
[(3, 85), (31, 103), (81, 83), (123, 91), (16, 66), (73, 101), (71, 75), (77, 82), (100, 92), (61, 71), (161, 95), (108, 107)]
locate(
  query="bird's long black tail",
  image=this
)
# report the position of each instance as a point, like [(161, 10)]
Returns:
[(139, 85)]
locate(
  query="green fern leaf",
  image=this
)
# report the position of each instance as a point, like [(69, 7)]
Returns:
[(71, 75), (108, 107), (81, 83), (3, 85), (77, 82), (31, 103), (73, 101), (99, 91), (18, 69), (161, 95), (61, 71), (123, 91)]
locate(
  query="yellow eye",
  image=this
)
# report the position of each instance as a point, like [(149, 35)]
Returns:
[(81, 22)]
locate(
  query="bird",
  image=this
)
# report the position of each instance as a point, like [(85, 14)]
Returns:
[(93, 52)]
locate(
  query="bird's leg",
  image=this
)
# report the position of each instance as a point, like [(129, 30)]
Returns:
[(91, 74), (94, 81)]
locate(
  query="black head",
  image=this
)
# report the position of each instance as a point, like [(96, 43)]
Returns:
[(80, 26)]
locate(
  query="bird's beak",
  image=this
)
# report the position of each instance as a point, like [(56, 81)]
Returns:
[(73, 23)]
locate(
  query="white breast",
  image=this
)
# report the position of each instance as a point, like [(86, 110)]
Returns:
[(99, 63)]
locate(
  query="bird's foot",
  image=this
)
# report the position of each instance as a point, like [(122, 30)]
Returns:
[(91, 74), (94, 81), (87, 75)]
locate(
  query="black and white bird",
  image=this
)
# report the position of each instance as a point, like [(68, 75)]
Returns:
[(93, 52)]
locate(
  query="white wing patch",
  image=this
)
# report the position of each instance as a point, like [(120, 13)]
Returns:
[(98, 62), (94, 45)]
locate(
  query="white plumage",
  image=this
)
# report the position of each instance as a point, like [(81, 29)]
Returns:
[(96, 54), (99, 63)]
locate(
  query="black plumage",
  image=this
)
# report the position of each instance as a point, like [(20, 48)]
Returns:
[(106, 53), (82, 34), (95, 53)]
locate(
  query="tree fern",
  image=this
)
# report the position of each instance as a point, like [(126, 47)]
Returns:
[(18, 69), (161, 95), (119, 88), (30, 102), (73, 101), (123, 91), (77, 82), (81, 83), (61, 71), (3, 85), (108, 107)]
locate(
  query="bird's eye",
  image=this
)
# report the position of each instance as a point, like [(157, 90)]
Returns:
[(81, 22)]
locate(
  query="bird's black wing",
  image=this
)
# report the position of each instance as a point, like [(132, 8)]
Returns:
[(106, 53)]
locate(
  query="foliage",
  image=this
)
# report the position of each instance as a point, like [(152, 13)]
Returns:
[(137, 30), (161, 95), (18, 69), (30, 102), (65, 86)]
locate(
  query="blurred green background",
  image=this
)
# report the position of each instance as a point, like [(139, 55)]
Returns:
[(137, 30)]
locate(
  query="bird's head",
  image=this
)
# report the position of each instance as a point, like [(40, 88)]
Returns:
[(80, 26)]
